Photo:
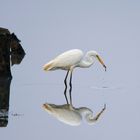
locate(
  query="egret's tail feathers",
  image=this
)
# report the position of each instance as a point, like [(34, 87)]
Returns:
[(48, 66)]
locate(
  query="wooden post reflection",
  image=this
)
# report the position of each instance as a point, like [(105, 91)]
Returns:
[(4, 100)]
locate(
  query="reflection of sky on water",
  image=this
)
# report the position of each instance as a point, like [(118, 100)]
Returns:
[(49, 28)]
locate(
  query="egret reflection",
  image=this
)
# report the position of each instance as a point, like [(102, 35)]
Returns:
[(11, 52), (71, 115)]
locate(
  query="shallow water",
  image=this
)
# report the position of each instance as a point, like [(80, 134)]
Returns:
[(47, 29), (28, 120)]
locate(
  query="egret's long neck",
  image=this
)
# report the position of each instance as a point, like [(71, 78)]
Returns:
[(87, 61), (84, 64), (88, 114)]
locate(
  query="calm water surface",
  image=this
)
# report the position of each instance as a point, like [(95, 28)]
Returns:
[(28, 120), (49, 28)]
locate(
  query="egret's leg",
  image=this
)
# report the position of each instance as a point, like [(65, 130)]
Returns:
[(65, 91), (99, 114), (70, 90)]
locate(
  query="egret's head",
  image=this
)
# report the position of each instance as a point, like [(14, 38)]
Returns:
[(96, 55)]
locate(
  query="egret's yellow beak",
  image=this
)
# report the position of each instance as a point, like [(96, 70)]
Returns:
[(101, 61)]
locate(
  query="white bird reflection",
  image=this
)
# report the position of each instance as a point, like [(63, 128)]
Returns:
[(70, 115)]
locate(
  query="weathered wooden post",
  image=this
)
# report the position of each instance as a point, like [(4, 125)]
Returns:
[(11, 52), (5, 55)]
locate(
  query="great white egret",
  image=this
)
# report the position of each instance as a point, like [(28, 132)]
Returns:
[(72, 59), (70, 115)]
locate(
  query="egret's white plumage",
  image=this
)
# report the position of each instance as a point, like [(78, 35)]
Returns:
[(71, 59), (65, 61), (70, 115)]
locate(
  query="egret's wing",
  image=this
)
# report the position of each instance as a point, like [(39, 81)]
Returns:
[(69, 58), (65, 60)]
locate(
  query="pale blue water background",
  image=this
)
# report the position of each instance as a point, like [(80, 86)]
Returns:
[(48, 28)]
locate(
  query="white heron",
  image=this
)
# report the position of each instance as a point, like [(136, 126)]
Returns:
[(70, 115), (72, 59)]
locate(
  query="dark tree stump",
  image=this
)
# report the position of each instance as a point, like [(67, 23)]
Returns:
[(11, 52)]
